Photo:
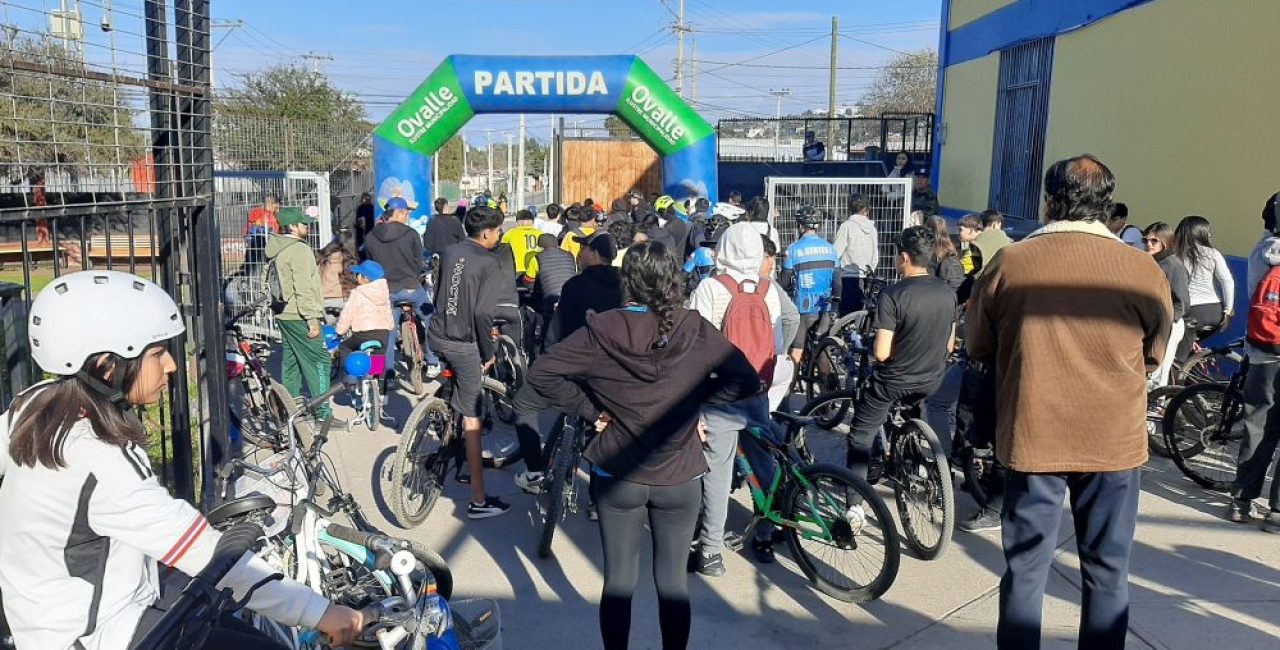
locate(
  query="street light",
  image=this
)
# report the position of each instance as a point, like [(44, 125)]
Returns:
[(777, 126)]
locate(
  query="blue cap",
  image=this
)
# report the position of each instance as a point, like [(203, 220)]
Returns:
[(397, 203), (369, 269)]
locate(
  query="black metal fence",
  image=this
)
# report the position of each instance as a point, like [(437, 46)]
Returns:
[(107, 163), (846, 138)]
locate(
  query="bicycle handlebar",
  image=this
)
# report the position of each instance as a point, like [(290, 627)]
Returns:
[(232, 546), (289, 427)]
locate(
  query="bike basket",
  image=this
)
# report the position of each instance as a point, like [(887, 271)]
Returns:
[(282, 488), (477, 624)]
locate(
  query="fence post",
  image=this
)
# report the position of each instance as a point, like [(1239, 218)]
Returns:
[(17, 355)]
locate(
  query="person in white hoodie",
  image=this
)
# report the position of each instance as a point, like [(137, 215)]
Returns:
[(740, 255), (858, 245)]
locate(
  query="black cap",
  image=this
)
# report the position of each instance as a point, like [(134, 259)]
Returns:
[(603, 244), (921, 172), (620, 205)]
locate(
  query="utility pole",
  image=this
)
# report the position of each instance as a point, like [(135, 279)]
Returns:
[(549, 179), (435, 174), (509, 135), (831, 99), (693, 72), (230, 26), (315, 58), (680, 28), (465, 169), (488, 147), (524, 135), (777, 126)]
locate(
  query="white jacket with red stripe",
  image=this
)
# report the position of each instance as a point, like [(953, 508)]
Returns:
[(79, 546)]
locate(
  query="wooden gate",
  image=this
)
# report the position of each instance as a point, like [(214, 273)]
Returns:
[(606, 169)]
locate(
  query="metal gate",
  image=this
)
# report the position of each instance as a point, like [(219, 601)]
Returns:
[(242, 252), (889, 198)]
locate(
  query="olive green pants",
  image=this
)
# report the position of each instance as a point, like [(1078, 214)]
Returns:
[(304, 358)]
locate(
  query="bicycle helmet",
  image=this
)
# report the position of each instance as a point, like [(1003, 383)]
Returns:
[(728, 211), (85, 313), (663, 202), (808, 217)]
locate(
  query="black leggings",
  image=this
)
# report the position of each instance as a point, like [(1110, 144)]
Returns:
[(1209, 315), (672, 511)]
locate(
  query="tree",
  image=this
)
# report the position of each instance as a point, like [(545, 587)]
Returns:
[(56, 119), (907, 84), (288, 117), (617, 128)]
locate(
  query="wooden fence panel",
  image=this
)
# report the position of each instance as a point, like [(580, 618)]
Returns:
[(606, 169)]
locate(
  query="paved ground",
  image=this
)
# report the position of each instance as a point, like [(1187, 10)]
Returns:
[(1197, 581)]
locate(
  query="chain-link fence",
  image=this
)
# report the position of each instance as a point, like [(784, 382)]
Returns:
[(106, 163)]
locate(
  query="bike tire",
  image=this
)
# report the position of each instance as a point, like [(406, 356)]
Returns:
[(563, 468), (830, 410), (267, 413), (373, 407), (420, 463), (1210, 365), (828, 370), (1191, 427), (509, 364), (1157, 404), (922, 471), (499, 447), (411, 350), (820, 504)]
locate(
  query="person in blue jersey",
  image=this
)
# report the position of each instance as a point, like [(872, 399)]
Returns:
[(809, 272)]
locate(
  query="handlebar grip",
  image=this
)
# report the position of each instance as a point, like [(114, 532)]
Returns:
[(233, 544), (351, 535)]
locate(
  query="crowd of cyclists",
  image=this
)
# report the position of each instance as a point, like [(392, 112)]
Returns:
[(670, 326)]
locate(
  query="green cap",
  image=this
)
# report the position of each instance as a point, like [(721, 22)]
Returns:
[(291, 216)]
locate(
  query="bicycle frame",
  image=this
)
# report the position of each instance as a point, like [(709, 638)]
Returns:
[(765, 501)]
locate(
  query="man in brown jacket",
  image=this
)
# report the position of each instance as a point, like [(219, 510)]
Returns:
[(1073, 323)]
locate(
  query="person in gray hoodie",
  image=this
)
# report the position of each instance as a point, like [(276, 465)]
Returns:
[(858, 245)]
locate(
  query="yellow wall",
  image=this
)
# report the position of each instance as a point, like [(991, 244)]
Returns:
[(963, 11), (1178, 98), (968, 115)]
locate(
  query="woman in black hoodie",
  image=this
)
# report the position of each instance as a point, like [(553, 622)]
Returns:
[(642, 373)]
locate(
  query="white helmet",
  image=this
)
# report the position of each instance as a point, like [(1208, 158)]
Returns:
[(728, 211), (82, 314)]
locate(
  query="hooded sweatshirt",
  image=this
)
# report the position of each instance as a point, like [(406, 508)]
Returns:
[(740, 254), (398, 248), (652, 394), (368, 309), (598, 288), (858, 245), (299, 277)]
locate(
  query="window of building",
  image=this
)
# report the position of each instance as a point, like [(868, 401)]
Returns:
[(1022, 114)]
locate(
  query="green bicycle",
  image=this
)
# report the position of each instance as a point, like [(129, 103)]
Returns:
[(839, 530)]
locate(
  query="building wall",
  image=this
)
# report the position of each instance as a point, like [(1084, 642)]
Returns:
[(969, 110), (964, 11), (1176, 97)]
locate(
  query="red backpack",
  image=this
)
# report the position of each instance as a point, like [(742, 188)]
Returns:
[(748, 325), (1263, 330)]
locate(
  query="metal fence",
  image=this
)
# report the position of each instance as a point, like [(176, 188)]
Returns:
[(889, 198), (107, 161), (845, 138)]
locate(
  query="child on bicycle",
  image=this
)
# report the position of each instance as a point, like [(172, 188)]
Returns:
[(915, 330), (366, 318), (85, 519)]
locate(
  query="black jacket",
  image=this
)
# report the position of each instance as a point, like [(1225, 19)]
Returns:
[(556, 267), (616, 217), (1179, 280), (653, 394), (467, 297), (443, 231), (598, 288), (398, 249)]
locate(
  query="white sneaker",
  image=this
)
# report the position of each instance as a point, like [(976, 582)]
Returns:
[(433, 370), (531, 482)]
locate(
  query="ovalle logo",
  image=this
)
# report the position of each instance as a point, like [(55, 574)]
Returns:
[(661, 117), (436, 103)]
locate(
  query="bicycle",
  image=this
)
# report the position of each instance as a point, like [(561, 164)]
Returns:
[(827, 507), (260, 404), (914, 464), (366, 394), (559, 497), (824, 360), (1203, 366), (432, 442), (1203, 427), (409, 352), (508, 368)]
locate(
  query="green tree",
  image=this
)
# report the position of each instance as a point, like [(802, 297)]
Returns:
[(907, 84), (617, 128), (286, 116), (56, 120)]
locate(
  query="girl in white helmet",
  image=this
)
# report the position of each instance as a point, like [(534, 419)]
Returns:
[(85, 521)]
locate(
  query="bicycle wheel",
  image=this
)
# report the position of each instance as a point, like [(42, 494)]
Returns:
[(843, 536), (923, 489), (373, 404), (500, 444), (265, 411), (421, 462), (829, 411), (1157, 403), (828, 371), (1202, 430), (554, 497), (1210, 366), (508, 366), (411, 355)]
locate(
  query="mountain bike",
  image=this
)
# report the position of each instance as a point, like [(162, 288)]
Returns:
[(410, 358), (1203, 426), (823, 362), (913, 462), (260, 405), (509, 366), (1203, 366), (839, 530), (559, 496), (432, 442)]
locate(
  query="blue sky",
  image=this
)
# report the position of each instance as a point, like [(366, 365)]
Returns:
[(382, 49)]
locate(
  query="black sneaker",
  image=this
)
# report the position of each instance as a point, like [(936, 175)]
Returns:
[(875, 470), (711, 566), (1240, 512), (763, 550), (492, 507), (981, 522)]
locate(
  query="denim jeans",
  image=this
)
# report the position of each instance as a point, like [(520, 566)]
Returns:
[(1261, 435)]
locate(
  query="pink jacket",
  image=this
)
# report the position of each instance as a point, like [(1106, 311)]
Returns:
[(368, 308)]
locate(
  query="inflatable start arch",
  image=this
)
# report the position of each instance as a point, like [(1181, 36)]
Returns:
[(464, 86)]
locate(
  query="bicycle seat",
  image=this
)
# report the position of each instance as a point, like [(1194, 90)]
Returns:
[(790, 420), (371, 346), (240, 507)]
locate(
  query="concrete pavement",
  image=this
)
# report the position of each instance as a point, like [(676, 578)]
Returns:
[(1197, 581)]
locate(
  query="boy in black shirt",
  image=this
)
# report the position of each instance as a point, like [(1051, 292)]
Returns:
[(461, 332), (915, 331)]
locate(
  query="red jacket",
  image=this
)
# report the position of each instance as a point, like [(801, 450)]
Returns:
[(259, 217)]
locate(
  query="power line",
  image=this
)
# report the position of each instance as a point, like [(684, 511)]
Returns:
[(769, 54), (877, 45), (727, 64)]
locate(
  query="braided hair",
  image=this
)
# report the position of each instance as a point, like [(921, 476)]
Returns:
[(651, 277)]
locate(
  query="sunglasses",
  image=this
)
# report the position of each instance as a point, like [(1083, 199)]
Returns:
[(1152, 241)]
